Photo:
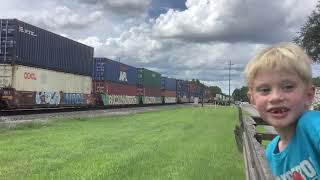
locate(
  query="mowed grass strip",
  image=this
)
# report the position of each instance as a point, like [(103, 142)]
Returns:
[(187, 143)]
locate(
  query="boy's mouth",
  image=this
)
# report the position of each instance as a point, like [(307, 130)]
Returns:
[(279, 112)]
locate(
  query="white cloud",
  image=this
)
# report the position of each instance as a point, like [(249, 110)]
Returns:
[(195, 43), (63, 17), (232, 21)]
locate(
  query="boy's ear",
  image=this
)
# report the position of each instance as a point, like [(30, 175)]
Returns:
[(250, 97), (310, 96)]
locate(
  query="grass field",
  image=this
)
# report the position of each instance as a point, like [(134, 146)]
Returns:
[(186, 143)]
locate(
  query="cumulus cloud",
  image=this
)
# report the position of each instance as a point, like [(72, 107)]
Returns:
[(231, 21), (63, 17), (120, 7), (197, 42), (200, 41)]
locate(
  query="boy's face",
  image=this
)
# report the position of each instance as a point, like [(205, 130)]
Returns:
[(280, 97)]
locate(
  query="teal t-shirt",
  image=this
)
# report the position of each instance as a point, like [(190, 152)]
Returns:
[(301, 158)]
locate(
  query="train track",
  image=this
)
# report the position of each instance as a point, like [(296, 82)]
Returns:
[(81, 110), (14, 112)]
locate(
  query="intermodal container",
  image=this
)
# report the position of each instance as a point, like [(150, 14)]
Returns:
[(169, 96), (192, 87), (29, 86), (28, 45), (149, 78), (149, 91), (111, 93), (168, 83), (149, 95), (108, 70), (182, 88), (168, 93), (114, 88), (169, 100)]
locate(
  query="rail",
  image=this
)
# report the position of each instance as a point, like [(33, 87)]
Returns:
[(249, 142)]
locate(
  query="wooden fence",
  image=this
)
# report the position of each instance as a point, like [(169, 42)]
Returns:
[(249, 143)]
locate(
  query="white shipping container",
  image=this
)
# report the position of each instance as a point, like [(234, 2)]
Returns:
[(24, 78), (170, 99)]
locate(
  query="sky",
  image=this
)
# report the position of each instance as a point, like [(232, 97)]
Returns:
[(184, 39)]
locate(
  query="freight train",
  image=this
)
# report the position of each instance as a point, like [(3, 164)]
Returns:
[(41, 69)]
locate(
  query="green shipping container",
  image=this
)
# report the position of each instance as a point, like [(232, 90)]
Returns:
[(149, 78)]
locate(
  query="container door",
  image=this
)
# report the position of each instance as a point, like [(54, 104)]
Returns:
[(7, 31), (5, 76)]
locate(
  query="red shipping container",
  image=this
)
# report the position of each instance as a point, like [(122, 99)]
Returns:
[(152, 92), (112, 88), (170, 93), (192, 87)]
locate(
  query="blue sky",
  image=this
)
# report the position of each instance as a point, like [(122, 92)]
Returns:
[(185, 39), (158, 7)]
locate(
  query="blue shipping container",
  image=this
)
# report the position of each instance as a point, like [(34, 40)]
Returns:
[(105, 69), (168, 83), (25, 44), (182, 88)]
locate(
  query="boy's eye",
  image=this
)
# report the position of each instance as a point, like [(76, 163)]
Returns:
[(288, 87), (264, 90)]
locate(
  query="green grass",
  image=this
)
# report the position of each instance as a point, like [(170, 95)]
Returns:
[(187, 143)]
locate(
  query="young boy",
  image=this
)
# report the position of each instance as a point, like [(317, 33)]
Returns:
[(280, 87)]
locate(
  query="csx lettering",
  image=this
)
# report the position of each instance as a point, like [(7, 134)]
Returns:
[(31, 76)]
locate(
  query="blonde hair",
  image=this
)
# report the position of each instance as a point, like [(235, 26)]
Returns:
[(281, 57)]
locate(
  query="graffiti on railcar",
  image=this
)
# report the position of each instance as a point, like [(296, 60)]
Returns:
[(151, 100), (170, 99), (73, 98), (44, 97), (118, 99)]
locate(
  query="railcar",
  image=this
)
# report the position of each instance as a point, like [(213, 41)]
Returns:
[(183, 95), (114, 83), (169, 90), (149, 87), (41, 69)]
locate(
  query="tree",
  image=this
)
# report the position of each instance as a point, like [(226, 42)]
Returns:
[(241, 94), (214, 90), (309, 35)]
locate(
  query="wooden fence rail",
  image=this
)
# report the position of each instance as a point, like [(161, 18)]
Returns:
[(249, 143)]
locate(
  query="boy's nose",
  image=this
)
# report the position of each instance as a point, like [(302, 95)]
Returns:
[(276, 96)]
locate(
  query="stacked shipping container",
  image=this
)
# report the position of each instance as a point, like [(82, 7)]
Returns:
[(207, 96), (149, 86), (169, 89), (114, 83), (192, 90), (39, 68), (27, 45), (182, 91)]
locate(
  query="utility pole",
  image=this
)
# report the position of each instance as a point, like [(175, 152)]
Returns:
[(229, 79)]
